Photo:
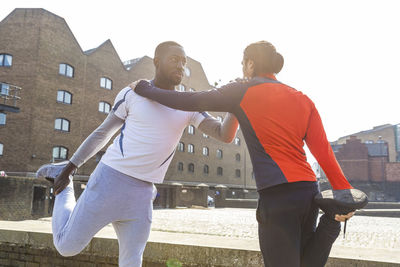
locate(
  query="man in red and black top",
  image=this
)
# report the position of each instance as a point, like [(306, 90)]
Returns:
[(276, 120)]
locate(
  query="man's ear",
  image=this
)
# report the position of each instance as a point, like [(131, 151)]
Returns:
[(156, 62), (250, 66)]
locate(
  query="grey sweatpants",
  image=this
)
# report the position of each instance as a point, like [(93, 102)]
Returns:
[(109, 197)]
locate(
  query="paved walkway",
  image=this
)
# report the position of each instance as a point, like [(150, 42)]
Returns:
[(362, 231), (368, 238)]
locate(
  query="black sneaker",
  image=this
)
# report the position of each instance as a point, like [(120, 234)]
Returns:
[(341, 202)]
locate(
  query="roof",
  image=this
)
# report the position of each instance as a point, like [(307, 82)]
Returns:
[(131, 63)]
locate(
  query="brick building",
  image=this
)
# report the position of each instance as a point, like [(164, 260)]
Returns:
[(67, 92), (386, 133), (367, 166)]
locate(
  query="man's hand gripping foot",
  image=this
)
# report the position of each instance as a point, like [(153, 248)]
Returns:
[(58, 173)]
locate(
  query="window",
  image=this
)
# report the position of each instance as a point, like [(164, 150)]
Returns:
[(219, 171), (219, 153), (61, 124), (104, 107), (60, 152), (105, 83), (369, 142), (181, 146), (237, 141), (237, 172), (191, 148), (5, 60), (1, 149), (5, 89), (237, 157), (219, 118), (187, 71), (180, 88), (3, 117), (192, 90), (66, 70), (190, 129), (64, 97), (205, 169), (191, 167), (205, 151), (205, 136), (253, 176), (180, 166), (381, 141)]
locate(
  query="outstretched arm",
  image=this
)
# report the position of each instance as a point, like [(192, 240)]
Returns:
[(92, 144), (212, 100), (322, 151), (224, 131), (97, 139)]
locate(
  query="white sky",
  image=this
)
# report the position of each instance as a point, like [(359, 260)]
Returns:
[(344, 54)]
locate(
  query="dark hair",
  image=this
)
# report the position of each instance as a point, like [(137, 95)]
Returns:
[(265, 57), (163, 47)]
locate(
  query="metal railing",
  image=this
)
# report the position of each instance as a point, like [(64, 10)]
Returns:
[(9, 94)]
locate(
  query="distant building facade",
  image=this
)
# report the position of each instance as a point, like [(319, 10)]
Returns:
[(370, 161), (67, 92), (386, 133)]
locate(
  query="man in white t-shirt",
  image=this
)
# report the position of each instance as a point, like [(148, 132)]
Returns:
[(120, 190)]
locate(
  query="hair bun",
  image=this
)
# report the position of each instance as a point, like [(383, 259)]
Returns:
[(278, 62)]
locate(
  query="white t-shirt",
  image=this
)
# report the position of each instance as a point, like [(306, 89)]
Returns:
[(148, 139)]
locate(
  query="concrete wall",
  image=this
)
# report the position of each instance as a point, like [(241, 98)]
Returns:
[(35, 249)]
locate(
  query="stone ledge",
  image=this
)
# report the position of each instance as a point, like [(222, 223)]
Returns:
[(190, 249)]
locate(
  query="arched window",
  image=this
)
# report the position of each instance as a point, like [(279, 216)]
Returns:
[(190, 129), (180, 88), (60, 152), (219, 153), (187, 71), (191, 148), (1, 149), (5, 89), (237, 172), (237, 157), (219, 171), (104, 107), (191, 167), (105, 83), (237, 141), (66, 70), (61, 124), (205, 136), (205, 151), (5, 60), (3, 117), (181, 146), (180, 166), (205, 169), (64, 97)]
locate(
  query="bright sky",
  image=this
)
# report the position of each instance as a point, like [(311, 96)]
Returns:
[(345, 55)]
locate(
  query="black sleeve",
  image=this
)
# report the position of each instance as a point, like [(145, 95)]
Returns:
[(222, 99)]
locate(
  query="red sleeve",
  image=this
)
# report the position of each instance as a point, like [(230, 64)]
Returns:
[(322, 151)]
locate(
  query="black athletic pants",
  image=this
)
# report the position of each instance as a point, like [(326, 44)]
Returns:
[(288, 236)]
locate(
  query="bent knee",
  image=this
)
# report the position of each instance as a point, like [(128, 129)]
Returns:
[(67, 250)]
